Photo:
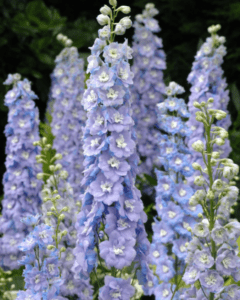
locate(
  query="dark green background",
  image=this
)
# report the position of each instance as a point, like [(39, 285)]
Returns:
[(28, 43)]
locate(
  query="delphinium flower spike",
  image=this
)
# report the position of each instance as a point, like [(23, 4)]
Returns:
[(207, 81), (111, 233), (68, 116), (60, 213), (148, 88), (170, 233), (21, 188), (42, 272), (213, 251)]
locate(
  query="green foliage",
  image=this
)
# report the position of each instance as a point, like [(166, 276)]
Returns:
[(10, 282)]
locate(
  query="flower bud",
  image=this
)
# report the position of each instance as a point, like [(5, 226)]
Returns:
[(57, 197), (36, 143), (215, 155), (61, 217), (51, 247), (63, 249), (219, 141), (210, 100), (60, 36), (113, 2), (119, 29), (105, 10), (210, 195), (199, 180), (196, 104), (68, 42), (126, 22), (149, 6), (40, 176), (102, 19), (139, 18), (198, 146), (58, 167), (196, 166), (64, 232), (63, 174), (44, 140), (66, 208), (200, 215), (189, 229), (124, 9), (220, 114)]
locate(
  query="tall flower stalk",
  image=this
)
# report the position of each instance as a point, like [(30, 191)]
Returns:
[(68, 116), (21, 187), (207, 81), (111, 234), (148, 88), (213, 251), (170, 234)]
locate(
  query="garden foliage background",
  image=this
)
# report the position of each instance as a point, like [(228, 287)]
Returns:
[(28, 46)]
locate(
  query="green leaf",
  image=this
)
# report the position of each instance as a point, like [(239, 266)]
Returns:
[(152, 181), (235, 96)]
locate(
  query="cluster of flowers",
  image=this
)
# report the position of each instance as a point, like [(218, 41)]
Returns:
[(60, 211), (111, 224), (41, 272), (170, 234), (68, 116), (21, 189), (149, 61), (207, 81), (213, 250)]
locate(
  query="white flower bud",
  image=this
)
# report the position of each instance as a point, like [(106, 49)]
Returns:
[(196, 166), (60, 36), (139, 18), (149, 6), (223, 134), (126, 22), (61, 217), (105, 10), (199, 180), (200, 215), (210, 100), (63, 249), (58, 156), (44, 140), (36, 143), (103, 20), (222, 39), (124, 9), (119, 29), (196, 104), (68, 42), (113, 2), (40, 176), (58, 167), (219, 141), (63, 174), (51, 247), (66, 208), (193, 201), (198, 146), (220, 114), (215, 155), (213, 162)]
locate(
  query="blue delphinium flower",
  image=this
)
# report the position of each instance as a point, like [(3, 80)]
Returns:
[(207, 81), (148, 88), (21, 188), (111, 202), (213, 250), (41, 274), (170, 232), (68, 116)]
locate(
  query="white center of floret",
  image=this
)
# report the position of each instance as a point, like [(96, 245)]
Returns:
[(12, 242), (37, 279), (193, 274), (106, 187), (211, 279), (201, 78), (153, 73), (182, 248), (92, 96), (226, 262), (178, 161), (118, 251), (145, 61), (171, 214), (69, 257), (70, 285), (174, 124), (182, 192), (146, 48), (112, 93), (13, 257), (165, 293), (121, 142), (116, 295), (165, 186), (165, 269), (113, 162), (122, 224), (103, 77), (172, 103), (51, 268), (99, 120), (13, 187), (129, 205), (151, 95), (113, 53), (163, 232), (43, 234), (65, 137), (204, 258), (15, 140), (25, 154), (123, 74), (21, 123), (118, 118), (156, 253), (169, 150), (144, 34), (95, 142), (65, 102)]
